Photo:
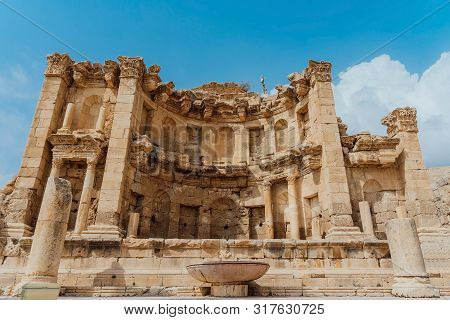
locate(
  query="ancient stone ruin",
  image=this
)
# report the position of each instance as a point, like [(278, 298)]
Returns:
[(162, 178)]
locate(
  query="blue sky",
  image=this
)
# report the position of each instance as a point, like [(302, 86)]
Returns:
[(200, 41)]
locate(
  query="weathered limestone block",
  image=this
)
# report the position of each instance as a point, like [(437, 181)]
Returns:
[(410, 277), (49, 236)]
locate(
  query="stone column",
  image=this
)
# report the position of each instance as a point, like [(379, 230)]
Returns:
[(316, 233), (410, 277), (68, 116), (32, 175), (57, 164), (269, 138), (334, 191), (133, 224), (293, 209), (268, 213), (366, 219), (174, 220), (48, 241), (204, 226), (117, 164), (101, 119), (85, 199)]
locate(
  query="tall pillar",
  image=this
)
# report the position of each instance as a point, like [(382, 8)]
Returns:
[(293, 209), (334, 191), (117, 165), (85, 199), (68, 116), (268, 213), (316, 232), (31, 179), (101, 119), (410, 277), (48, 241), (402, 124)]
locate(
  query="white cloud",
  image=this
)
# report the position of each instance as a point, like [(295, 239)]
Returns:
[(370, 90)]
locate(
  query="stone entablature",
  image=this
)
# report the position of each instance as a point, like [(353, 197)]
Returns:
[(364, 150), (216, 173)]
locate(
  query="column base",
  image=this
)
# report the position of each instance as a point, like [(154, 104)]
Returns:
[(103, 232), (414, 287), (229, 290), (345, 233), (16, 230), (40, 291)]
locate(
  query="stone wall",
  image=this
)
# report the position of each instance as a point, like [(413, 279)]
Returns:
[(440, 184)]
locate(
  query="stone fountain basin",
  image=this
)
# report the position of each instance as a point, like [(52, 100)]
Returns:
[(228, 272)]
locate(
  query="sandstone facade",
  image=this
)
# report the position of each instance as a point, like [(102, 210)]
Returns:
[(163, 178)]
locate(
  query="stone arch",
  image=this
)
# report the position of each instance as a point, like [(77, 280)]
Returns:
[(86, 115), (169, 132), (228, 221), (160, 216), (225, 144), (281, 135)]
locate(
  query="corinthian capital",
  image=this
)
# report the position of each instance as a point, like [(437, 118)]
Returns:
[(318, 71), (59, 65), (131, 67), (401, 120)]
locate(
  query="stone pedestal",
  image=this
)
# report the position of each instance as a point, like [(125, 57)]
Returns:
[(48, 241), (229, 290), (410, 277)]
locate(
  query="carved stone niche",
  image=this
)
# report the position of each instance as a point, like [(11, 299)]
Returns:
[(401, 120), (364, 150)]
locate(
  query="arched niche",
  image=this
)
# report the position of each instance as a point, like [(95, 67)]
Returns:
[(281, 135), (169, 131), (86, 114), (160, 215), (227, 221)]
